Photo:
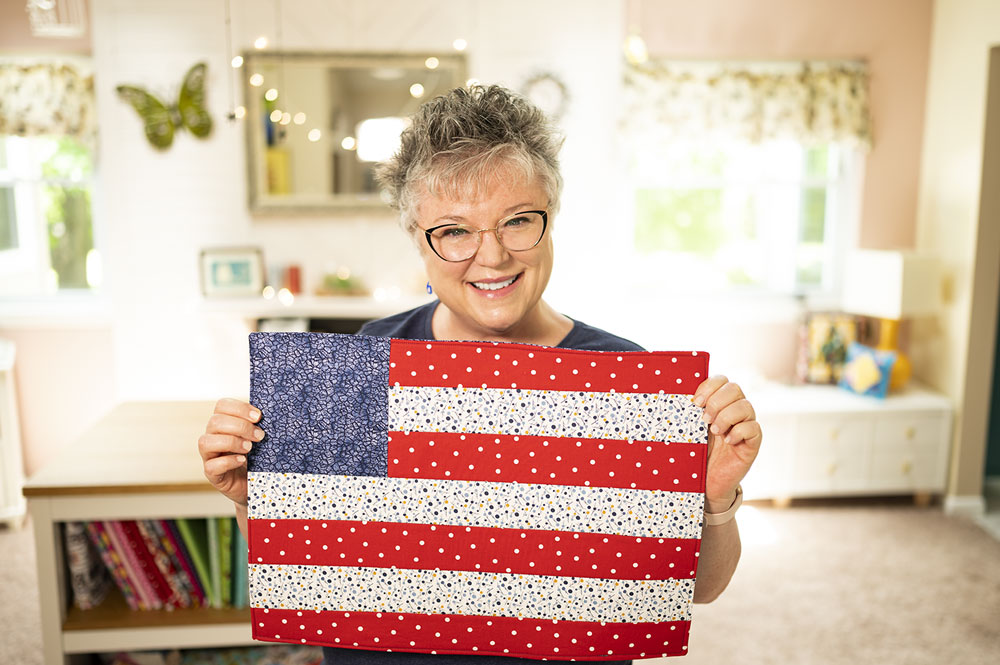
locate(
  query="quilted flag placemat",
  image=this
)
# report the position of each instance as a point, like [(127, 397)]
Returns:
[(474, 498)]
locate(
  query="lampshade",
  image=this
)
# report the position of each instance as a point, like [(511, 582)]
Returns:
[(891, 284)]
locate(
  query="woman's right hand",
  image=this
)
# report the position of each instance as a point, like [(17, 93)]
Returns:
[(229, 435)]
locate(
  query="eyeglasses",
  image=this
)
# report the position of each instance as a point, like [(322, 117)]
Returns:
[(517, 233)]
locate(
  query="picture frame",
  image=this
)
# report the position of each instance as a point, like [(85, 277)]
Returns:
[(824, 338), (231, 272)]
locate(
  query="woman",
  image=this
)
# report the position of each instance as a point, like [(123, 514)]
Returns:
[(477, 185)]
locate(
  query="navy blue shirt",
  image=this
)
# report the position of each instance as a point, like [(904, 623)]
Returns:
[(416, 324)]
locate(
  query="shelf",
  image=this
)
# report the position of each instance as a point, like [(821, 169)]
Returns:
[(115, 613)]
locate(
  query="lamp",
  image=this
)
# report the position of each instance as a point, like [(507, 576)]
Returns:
[(891, 285)]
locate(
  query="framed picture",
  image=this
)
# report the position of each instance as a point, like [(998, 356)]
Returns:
[(824, 339), (232, 272)]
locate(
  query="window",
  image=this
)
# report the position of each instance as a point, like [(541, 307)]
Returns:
[(771, 216), (46, 224), (746, 175)]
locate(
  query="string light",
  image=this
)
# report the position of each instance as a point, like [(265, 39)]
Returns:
[(417, 90), (348, 143), (271, 95), (300, 118), (237, 61), (256, 80), (260, 42), (314, 135), (431, 63), (460, 44)]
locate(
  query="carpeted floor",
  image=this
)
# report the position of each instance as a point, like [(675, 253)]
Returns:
[(831, 584)]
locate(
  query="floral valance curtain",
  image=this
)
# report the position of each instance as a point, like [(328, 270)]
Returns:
[(47, 98), (813, 102)]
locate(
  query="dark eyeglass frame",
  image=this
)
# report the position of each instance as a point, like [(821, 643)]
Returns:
[(496, 230)]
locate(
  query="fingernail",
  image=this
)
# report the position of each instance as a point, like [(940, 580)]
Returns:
[(699, 400), (715, 429), (728, 439), (258, 433), (706, 418), (247, 445), (254, 415), (241, 459)]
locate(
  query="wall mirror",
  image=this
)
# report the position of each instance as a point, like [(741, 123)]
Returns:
[(317, 123)]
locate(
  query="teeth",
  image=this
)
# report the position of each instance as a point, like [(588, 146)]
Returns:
[(493, 286)]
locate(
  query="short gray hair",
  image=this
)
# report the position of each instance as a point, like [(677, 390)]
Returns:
[(457, 142)]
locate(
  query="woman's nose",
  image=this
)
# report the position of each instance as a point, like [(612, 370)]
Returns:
[(490, 252)]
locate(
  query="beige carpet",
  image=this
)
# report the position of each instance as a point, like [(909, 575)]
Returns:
[(828, 584)]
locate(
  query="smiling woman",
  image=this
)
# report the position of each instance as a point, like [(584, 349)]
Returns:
[(476, 182)]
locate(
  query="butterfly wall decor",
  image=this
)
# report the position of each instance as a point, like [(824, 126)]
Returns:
[(162, 119)]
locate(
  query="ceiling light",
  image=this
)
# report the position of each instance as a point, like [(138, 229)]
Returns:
[(237, 61), (431, 63), (417, 90), (460, 44), (260, 42), (256, 80)]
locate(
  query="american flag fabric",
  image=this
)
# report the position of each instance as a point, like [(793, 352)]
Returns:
[(474, 498)]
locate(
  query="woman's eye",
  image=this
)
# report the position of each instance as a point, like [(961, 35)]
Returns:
[(453, 232)]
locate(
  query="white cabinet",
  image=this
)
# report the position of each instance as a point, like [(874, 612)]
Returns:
[(824, 441)]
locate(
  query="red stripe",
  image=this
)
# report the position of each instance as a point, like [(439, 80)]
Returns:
[(480, 635), (489, 365), (481, 549), (648, 465)]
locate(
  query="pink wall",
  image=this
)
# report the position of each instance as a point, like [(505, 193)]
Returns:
[(64, 382), (893, 35), (15, 34)]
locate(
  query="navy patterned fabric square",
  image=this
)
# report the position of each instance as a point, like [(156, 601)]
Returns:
[(324, 403)]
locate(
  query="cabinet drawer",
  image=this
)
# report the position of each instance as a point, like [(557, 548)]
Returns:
[(916, 431), (840, 434), (904, 471)]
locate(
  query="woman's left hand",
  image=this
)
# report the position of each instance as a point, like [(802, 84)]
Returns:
[(733, 440)]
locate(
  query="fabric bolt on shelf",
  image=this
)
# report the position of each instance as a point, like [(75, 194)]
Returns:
[(474, 498)]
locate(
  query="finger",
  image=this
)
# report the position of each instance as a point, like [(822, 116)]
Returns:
[(235, 407), (220, 466), (747, 432), (739, 411), (722, 398), (219, 423), (213, 445), (707, 387)]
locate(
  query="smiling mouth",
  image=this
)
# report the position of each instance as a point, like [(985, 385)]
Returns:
[(496, 286)]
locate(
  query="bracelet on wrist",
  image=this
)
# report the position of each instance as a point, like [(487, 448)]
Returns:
[(717, 519)]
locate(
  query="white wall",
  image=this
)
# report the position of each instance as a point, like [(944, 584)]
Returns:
[(948, 212), (158, 210)]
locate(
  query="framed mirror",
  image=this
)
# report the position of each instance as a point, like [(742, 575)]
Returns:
[(317, 123)]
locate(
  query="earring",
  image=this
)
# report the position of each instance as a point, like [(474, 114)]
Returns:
[(429, 289)]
